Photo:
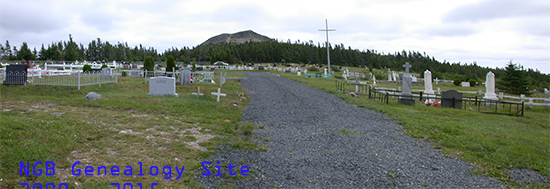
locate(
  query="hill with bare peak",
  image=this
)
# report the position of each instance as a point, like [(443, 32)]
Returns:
[(239, 37)]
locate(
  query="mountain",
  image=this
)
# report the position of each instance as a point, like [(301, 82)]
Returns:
[(239, 37)]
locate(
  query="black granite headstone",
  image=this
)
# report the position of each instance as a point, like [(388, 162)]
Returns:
[(16, 75), (451, 98)]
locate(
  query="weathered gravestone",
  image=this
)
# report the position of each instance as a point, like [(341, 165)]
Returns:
[(134, 73), (185, 77), (451, 98), (406, 97), (16, 75), (428, 88), (465, 84), (106, 73), (162, 86)]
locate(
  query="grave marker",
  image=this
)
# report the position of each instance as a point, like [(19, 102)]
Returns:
[(218, 94), (490, 87), (16, 75), (185, 76), (134, 73), (465, 84), (162, 86), (451, 98), (428, 88), (198, 93)]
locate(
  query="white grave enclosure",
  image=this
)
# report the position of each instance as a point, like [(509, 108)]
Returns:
[(162, 86)]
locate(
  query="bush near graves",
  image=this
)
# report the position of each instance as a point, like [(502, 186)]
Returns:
[(457, 82), (312, 69), (124, 74), (515, 80), (86, 68), (472, 82), (335, 69), (104, 66), (149, 64), (170, 63)]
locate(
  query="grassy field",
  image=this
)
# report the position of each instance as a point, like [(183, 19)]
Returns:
[(124, 127), (492, 143)]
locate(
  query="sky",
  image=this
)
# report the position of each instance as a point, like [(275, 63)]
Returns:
[(488, 32)]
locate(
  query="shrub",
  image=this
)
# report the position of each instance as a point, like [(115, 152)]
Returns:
[(86, 68), (312, 69), (457, 82), (104, 66), (149, 63), (335, 69), (472, 82), (124, 74), (170, 63)]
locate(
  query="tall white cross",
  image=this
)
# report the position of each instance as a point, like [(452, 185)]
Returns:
[(328, 53)]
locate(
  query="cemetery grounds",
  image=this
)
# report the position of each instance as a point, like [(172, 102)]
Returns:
[(493, 143), (124, 127)]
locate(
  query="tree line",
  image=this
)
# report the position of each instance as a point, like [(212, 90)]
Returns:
[(265, 52)]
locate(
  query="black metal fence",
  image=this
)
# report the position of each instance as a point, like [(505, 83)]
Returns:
[(468, 103)]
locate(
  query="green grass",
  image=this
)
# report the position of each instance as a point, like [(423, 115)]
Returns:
[(124, 127), (492, 143)]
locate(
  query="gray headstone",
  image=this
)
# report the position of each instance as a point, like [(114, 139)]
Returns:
[(465, 84), (407, 84), (92, 96), (222, 80), (185, 76), (447, 99), (106, 73), (134, 73), (162, 86)]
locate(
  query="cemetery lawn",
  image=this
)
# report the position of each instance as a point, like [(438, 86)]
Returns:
[(494, 144), (124, 127)]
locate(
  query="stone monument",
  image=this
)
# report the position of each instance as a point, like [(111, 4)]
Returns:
[(490, 87), (428, 88), (162, 86)]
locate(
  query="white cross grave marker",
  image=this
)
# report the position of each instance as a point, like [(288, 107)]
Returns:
[(198, 93), (218, 94)]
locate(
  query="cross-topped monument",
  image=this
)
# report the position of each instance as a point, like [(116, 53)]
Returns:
[(407, 66), (328, 54)]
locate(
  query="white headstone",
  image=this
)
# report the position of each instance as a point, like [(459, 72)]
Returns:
[(490, 87), (437, 81), (134, 73), (428, 88), (389, 75), (414, 79), (325, 71), (299, 73), (394, 75), (162, 86), (373, 80), (465, 84)]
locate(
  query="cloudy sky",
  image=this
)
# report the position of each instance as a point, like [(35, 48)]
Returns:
[(489, 32)]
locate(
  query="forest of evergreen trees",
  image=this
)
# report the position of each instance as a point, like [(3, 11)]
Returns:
[(262, 52)]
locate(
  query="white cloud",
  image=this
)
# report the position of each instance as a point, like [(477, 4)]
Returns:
[(489, 32)]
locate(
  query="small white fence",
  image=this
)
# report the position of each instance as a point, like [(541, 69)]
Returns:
[(59, 78)]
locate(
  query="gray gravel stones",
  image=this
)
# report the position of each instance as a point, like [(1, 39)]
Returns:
[(308, 148)]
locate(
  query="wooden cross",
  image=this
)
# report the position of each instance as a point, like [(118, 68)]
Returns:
[(218, 94), (198, 93), (407, 66)]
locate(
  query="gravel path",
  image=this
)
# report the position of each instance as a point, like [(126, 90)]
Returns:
[(304, 130)]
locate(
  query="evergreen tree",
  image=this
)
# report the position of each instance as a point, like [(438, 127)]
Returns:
[(149, 64), (25, 53), (170, 64), (71, 50), (515, 80)]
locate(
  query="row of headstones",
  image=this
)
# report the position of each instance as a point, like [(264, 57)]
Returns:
[(428, 88), (166, 86)]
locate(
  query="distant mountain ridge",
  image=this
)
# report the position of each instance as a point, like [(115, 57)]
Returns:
[(239, 37)]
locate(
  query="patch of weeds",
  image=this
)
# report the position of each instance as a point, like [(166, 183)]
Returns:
[(425, 185), (288, 153), (346, 132), (189, 138), (389, 183), (267, 139), (276, 186), (262, 148), (390, 175), (325, 154)]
